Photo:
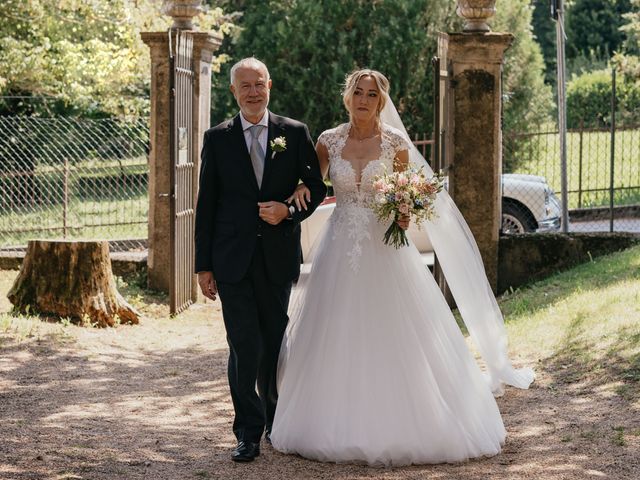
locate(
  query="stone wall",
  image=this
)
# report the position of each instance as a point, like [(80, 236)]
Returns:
[(526, 258)]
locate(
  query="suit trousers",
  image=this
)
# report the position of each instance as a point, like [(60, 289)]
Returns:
[(255, 318)]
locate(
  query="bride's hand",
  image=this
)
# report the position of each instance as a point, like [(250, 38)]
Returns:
[(403, 221), (300, 196)]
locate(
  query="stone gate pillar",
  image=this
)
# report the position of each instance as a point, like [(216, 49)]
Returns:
[(204, 44), (475, 136)]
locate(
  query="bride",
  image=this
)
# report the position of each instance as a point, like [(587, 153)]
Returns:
[(373, 367)]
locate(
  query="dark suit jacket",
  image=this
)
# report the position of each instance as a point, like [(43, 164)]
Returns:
[(227, 221)]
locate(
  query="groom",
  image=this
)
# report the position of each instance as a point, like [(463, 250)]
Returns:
[(248, 240)]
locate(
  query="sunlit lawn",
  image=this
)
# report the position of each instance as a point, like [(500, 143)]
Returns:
[(585, 321), (108, 219), (104, 200)]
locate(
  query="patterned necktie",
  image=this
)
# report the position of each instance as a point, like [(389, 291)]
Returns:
[(256, 152)]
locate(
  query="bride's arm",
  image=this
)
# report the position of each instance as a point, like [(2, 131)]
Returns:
[(323, 158)]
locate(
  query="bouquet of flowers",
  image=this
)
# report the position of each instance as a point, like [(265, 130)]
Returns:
[(407, 193)]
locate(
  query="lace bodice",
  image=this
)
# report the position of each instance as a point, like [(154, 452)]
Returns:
[(353, 215), (342, 172)]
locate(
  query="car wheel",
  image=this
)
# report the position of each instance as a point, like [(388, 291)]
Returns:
[(515, 219)]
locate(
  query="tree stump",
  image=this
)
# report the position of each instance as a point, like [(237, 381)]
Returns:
[(70, 279)]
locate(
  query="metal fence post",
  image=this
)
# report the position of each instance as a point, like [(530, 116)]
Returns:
[(581, 133), (613, 147), (65, 198), (562, 110)]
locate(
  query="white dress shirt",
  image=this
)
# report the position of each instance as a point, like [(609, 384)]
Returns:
[(264, 134)]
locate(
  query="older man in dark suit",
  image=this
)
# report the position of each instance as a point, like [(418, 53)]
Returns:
[(248, 240)]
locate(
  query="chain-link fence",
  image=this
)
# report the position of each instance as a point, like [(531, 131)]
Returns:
[(603, 173), (65, 178)]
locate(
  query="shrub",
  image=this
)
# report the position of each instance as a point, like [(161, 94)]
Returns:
[(589, 100)]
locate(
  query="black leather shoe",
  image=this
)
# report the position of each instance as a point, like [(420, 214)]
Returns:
[(267, 437), (245, 452)]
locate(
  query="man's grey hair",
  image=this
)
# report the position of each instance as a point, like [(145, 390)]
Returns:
[(249, 62)]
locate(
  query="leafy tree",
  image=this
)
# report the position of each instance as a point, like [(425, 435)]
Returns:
[(594, 32), (589, 100), (628, 61), (527, 100), (309, 46), (632, 29), (544, 30), (83, 58)]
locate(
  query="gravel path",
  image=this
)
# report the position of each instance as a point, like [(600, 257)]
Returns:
[(151, 402)]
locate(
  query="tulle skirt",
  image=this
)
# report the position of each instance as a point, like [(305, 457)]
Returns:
[(374, 368)]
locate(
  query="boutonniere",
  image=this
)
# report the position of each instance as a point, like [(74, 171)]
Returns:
[(278, 144)]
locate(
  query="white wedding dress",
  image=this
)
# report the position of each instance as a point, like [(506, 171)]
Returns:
[(374, 368)]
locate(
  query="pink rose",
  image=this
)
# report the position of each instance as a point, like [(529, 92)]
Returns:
[(402, 180), (404, 209), (379, 185)]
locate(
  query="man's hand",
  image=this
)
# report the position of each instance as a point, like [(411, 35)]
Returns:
[(207, 284), (273, 212), (300, 196)]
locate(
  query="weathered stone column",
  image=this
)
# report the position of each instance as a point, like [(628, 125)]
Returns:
[(204, 44), (475, 140), (158, 266)]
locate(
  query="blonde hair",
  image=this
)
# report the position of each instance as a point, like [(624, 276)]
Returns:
[(351, 82)]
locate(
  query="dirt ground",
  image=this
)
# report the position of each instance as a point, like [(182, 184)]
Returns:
[(151, 401)]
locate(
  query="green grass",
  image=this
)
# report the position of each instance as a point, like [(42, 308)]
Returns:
[(107, 219), (583, 325), (618, 436), (107, 166), (106, 199), (539, 155)]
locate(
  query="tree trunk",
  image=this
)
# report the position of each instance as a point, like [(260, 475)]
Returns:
[(70, 279)]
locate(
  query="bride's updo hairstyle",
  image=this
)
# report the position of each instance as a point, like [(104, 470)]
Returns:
[(351, 82)]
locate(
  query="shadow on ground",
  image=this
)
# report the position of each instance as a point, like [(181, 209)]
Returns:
[(114, 410)]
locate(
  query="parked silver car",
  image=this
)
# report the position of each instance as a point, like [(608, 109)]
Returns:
[(528, 205)]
